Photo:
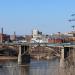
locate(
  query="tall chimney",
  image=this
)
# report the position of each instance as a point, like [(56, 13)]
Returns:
[(2, 30), (1, 35), (14, 35)]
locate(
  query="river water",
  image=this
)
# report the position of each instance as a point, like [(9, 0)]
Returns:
[(36, 67)]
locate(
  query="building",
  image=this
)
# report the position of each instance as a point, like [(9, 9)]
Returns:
[(13, 37), (38, 37), (28, 38), (36, 34), (56, 38), (4, 37)]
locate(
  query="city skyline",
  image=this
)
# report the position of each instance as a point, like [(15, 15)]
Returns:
[(49, 16)]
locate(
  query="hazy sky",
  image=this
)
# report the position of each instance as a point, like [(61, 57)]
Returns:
[(49, 16)]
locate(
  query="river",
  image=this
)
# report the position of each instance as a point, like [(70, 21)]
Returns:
[(36, 67)]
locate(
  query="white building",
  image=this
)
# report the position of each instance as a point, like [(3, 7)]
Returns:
[(36, 34), (38, 37)]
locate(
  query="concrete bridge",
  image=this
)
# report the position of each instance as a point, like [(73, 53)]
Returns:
[(23, 49)]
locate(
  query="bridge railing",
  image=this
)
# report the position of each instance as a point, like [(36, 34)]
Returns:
[(43, 44)]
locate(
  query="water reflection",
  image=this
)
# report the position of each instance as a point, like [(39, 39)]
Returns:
[(44, 67), (12, 68), (24, 70), (35, 68)]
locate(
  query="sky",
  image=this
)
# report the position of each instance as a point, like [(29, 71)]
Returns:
[(48, 16)]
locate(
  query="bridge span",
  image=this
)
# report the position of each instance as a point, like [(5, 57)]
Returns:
[(25, 50)]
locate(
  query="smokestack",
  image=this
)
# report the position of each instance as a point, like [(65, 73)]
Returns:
[(2, 30), (14, 35)]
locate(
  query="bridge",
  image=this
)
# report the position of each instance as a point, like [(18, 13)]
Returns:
[(27, 43), (24, 49)]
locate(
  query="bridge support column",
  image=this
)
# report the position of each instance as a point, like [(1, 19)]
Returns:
[(66, 53), (62, 58), (23, 56), (19, 56)]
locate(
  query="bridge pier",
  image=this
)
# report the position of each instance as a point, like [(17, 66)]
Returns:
[(23, 56), (19, 55), (62, 57), (66, 55)]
